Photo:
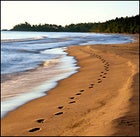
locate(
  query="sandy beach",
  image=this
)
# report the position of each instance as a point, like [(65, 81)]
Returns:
[(102, 99)]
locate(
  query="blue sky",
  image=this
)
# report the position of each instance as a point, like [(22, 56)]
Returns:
[(64, 12)]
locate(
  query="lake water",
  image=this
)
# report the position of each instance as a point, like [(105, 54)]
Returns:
[(24, 53)]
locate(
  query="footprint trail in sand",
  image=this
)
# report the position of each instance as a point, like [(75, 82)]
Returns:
[(102, 76)]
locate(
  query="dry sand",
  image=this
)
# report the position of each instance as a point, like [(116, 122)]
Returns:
[(102, 99)]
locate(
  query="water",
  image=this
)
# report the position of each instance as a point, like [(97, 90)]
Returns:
[(22, 52)]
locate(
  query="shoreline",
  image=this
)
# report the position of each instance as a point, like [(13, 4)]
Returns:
[(82, 102), (35, 83)]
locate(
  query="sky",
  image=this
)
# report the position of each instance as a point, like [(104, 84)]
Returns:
[(64, 12)]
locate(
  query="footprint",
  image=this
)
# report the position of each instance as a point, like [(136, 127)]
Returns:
[(102, 72), (104, 77), (78, 94), (101, 75), (106, 63), (58, 113), (99, 81), (60, 107), (72, 102), (71, 98), (106, 66), (40, 120), (81, 90), (91, 86), (34, 129), (103, 60), (127, 122), (105, 73)]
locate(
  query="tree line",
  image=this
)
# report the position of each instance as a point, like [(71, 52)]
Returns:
[(118, 25)]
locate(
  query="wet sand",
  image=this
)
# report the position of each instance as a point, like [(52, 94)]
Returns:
[(102, 99)]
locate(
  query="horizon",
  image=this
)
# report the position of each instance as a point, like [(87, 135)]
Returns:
[(64, 12)]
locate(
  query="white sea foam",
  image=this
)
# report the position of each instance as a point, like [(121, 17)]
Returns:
[(23, 39), (54, 51), (50, 62)]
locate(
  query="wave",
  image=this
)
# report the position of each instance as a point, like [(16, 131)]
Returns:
[(24, 39), (50, 62), (28, 51), (54, 51)]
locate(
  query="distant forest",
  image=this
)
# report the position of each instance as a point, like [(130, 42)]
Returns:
[(118, 25)]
